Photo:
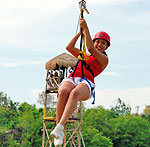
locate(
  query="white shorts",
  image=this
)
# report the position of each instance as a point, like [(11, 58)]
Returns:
[(77, 81)]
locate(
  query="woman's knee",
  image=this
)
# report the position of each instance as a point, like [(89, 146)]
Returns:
[(63, 92), (75, 94), (65, 89), (80, 93)]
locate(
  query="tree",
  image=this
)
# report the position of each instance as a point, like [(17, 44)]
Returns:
[(121, 108), (8, 108), (130, 131), (93, 125), (146, 113), (23, 129), (101, 127), (147, 110), (30, 122), (51, 100), (6, 102), (94, 138)]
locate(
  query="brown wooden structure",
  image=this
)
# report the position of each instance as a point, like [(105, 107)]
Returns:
[(57, 69)]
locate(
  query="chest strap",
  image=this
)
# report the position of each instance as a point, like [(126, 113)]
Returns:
[(83, 63)]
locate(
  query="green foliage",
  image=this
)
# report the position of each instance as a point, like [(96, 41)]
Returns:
[(94, 138), (11, 142), (30, 122), (121, 108), (131, 130), (116, 127), (124, 130), (23, 128), (6, 102), (7, 119), (93, 122)]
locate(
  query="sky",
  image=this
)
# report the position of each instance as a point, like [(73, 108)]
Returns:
[(34, 31)]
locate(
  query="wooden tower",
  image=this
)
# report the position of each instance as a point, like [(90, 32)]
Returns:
[(57, 69)]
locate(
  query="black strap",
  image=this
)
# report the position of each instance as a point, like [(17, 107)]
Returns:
[(87, 66), (83, 63), (104, 53), (81, 29), (75, 68)]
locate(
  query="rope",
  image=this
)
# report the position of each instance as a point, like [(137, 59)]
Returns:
[(82, 55)]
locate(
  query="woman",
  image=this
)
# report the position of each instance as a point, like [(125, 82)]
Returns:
[(74, 88)]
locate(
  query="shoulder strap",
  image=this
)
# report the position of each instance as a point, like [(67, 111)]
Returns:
[(88, 67), (104, 53)]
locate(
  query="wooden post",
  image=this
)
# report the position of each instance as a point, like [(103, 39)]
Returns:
[(59, 76), (79, 130), (43, 138)]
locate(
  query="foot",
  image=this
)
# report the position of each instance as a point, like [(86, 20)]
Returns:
[(58, 134), (58, 142)]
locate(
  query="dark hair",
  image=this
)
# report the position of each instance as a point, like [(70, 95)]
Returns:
[(108, 44)]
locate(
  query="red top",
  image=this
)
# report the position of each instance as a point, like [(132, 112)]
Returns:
[(94, 65)]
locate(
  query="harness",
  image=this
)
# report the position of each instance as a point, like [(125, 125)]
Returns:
[(83, 63), (82, 57), (87, 66)]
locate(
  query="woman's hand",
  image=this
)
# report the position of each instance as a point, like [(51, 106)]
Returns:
[(83, 24)]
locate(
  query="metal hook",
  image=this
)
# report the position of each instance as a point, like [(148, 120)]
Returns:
[(82, 4)]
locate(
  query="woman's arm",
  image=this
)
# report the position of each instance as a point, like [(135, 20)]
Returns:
[(71, 46), (100, 57)]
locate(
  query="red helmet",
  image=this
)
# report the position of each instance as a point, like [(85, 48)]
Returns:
[(102, 35)]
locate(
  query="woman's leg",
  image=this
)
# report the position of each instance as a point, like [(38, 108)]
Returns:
[(63, 94), (80, 92)]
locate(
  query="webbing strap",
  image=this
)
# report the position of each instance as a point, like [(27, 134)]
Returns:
[(92, 89), (75, 68), (83, 63), (82, 56)]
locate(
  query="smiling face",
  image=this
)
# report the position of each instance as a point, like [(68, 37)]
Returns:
[(100, 44)]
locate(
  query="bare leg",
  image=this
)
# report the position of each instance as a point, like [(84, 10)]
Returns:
[(63, 94), (81, 92)]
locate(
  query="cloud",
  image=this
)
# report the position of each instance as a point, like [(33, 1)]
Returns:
[(132, 97), (9, 62), (28, 24), (35, 94), (23, 19)]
